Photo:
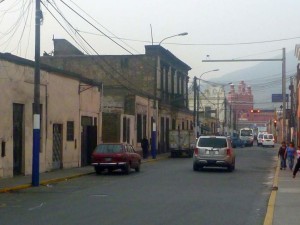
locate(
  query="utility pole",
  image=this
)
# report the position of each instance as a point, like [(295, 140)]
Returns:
[(225, 114), (198, 108), (292, 114), (36, 106), (195, 97), (284, 95), (283, 60)]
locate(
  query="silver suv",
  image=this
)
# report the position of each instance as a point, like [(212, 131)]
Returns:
[(213, 151)]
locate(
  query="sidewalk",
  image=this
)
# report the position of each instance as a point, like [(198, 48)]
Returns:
[(22, 182), (287, 202), (284, 201)]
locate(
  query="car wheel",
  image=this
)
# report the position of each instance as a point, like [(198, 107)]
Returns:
[(230, 168), (195, 167), (127, 168), (138, 168), (98, 170)]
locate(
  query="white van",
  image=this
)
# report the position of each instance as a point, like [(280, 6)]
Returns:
[(260, 137), (268, 140)]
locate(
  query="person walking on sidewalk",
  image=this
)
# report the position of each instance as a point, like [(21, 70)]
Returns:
[(290, 155), (145, 147), (282, 155), (297, 167)]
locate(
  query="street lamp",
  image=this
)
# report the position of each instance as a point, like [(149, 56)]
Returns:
[(197, 91), (181, 34)]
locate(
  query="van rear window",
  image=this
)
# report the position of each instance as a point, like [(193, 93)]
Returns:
[(212, 142), (108, 148)]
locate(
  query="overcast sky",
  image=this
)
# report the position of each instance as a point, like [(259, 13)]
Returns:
[(215, 28)]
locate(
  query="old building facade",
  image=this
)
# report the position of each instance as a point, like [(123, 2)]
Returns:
[(70, 117), (143, 93)]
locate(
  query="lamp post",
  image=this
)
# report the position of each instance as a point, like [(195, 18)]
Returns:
[(181, 34), (225, 107), (196, 109)]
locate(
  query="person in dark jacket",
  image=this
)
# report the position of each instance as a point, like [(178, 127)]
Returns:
[(297, 167), (145, 147), (282, 155)]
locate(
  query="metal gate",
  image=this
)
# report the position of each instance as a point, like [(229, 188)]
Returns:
[(18, 128), (57, 147)]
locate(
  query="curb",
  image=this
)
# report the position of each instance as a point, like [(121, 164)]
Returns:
[(55, 180), (271, 204), (44, 183)]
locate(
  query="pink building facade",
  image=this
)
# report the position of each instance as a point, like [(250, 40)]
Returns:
[(241, 103)]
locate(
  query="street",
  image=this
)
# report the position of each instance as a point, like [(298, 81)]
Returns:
[(164, 192)]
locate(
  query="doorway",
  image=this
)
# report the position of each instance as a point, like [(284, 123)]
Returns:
[(18, 131)]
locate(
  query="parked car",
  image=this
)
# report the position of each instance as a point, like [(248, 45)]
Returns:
[(236, 142), (213, 151), (113, 156), (268, 140)]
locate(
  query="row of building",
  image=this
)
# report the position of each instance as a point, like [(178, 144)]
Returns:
[(86, 100)]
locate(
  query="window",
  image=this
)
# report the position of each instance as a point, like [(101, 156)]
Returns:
[(70, 130), (108, 148), (213, 142)]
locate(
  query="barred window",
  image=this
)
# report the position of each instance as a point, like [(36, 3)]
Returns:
[(70, 130)]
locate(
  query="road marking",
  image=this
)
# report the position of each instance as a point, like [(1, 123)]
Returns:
[(100, 195), (271, 205), (36, 207)]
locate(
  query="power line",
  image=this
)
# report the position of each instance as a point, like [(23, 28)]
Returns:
[(114, 36), (133, 90), (95, 27), (201, 44)]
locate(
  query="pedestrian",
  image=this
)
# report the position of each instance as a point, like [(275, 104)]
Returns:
[(145, 147), (297, 166), (282, 155), (290, 155)]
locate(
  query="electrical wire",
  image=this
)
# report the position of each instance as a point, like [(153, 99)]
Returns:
[(96, 27), (133, 90), (114, 36)]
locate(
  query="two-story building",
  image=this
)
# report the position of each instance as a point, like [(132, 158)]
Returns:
[(143, 92)]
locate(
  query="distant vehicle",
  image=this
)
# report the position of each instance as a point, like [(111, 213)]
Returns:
[(260, 138), (268, 140), (247, 135), (236, 142), (113, 156), (181, 142), (213, 151)]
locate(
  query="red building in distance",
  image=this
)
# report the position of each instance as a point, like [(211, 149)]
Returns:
[(241, 103)]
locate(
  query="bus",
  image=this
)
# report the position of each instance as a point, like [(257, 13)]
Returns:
[(247, 135)]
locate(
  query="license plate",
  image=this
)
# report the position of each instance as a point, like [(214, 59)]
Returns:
[(216, 152), (207, 152), (107, 159)]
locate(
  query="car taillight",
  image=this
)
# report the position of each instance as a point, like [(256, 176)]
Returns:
[(196, 151), (228, 152)]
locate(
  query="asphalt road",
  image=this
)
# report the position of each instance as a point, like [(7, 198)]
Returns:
[(164, 192)]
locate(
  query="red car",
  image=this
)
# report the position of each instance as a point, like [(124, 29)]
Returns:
[(113, 156)]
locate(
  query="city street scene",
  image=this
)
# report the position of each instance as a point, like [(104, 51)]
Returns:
[(162, 112)]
